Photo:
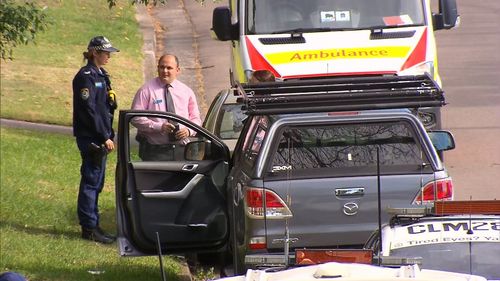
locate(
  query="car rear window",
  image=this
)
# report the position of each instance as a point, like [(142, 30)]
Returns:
[(348, 149)]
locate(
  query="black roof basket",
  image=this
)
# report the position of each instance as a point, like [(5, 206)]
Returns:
[(340, 94)]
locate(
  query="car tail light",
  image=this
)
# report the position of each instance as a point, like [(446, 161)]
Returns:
[(435, 191), (257, 243), (262, 203)]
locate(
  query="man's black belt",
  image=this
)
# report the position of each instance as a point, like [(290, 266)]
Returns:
[(161, 146)]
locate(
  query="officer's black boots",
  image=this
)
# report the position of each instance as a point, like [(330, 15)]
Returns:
[(106, 234), (97, 235)]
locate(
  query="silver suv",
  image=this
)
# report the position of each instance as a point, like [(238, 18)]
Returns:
[(305, 173)]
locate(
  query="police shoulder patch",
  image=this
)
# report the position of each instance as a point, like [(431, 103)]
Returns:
[(84, 92)]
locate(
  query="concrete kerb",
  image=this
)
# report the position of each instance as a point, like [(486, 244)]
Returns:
[(149, 46), (66, 130), (147, 28), (169, 28)]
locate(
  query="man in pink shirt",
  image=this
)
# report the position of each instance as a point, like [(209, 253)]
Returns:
[(164, 93)]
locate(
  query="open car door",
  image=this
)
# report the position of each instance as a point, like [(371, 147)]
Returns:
[(180, 198)]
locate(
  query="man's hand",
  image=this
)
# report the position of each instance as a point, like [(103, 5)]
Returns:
[(182, 133), (109, 144), (167, 128)]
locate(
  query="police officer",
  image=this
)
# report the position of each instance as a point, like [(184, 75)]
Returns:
[(94, 103)]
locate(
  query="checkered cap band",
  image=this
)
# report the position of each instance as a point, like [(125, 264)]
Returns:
[(101, 43)]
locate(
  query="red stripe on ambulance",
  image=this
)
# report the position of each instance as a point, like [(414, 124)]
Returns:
[(418, 54), (257, 60)]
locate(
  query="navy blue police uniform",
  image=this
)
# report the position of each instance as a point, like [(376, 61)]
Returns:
[(93, 110)]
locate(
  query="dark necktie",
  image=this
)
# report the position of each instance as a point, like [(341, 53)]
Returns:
[(169, 106)]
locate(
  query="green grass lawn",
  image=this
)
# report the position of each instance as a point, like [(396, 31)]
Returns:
[(40, 235), (36, 85), (39, 176)]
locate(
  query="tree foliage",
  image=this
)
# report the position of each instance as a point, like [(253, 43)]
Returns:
[(19, 24), (112, 3)]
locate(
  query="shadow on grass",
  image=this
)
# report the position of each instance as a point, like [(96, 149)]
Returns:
[(103, 272), (106, 217), (35, 230), (119, 268)]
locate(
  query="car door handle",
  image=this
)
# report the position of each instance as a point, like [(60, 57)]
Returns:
[(189, 167), (350, 191), (198, 225)]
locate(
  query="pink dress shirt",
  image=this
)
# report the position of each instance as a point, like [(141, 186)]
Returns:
[(151, 96)]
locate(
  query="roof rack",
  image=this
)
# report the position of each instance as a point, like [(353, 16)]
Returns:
[(340, 94)]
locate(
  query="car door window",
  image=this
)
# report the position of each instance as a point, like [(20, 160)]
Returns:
[(151, 144)]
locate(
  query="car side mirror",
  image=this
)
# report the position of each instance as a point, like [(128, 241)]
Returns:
[(197, 150), (222, 26), (442, 140), (447, 17)]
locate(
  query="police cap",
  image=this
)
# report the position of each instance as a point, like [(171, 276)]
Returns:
[(101, 43)]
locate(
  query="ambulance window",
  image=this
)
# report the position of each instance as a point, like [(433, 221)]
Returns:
[(270, 16), (390, 13), (263, 17)]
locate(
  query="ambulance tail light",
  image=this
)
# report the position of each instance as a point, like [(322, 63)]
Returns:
[(484, 207), (262, 203), (439, 190)]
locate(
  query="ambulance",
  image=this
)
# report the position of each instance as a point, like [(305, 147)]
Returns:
[(304, 39), (297, 39)]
